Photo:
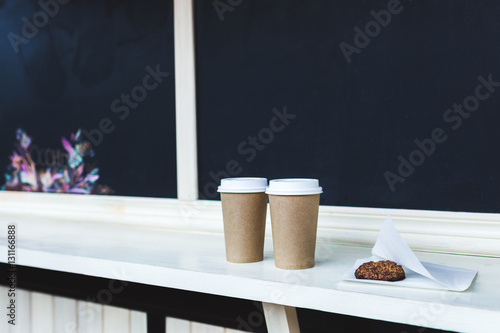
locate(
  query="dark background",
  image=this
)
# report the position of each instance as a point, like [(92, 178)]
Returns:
[(354, 119), (69, 73)]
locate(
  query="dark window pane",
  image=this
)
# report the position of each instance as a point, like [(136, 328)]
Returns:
[(105, 67), (359, 88)]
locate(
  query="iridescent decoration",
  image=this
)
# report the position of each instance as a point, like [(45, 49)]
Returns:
[(76, 177)]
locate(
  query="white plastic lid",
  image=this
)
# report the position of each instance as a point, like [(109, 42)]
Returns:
[(294, 186), (243, 185)]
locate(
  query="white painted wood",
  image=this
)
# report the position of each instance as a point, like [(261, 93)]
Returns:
[(174, 325), (185, 100), (205, 328), (115, 320), (138, 322), (42, 313), (449, 232), (230, 330), (4, 325), (90, 317), (24, 311), (280, 318), (65, 315), (196, 262)]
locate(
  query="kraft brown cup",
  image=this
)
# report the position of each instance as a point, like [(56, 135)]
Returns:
[(244, 216), (294, 222)]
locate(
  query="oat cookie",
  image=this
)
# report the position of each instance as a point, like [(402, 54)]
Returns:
[(385, 270)]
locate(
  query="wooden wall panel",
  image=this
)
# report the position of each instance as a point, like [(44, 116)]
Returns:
[(204, 328), (116, 320), (42, 313), (138, 322), (89, 317), (177, 325), (65, 315)]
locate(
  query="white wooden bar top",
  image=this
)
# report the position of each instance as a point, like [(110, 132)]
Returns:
[(196, 262)]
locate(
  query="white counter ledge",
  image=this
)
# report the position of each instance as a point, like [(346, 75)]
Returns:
[(196, 262)]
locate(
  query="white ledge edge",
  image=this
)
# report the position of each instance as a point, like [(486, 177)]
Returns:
[(437, 231)]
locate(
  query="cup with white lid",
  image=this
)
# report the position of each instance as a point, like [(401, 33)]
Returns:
[(244, 208), (294, 205)]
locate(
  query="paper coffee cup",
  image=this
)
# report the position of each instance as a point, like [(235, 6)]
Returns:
[(244, 207), (294, 205)]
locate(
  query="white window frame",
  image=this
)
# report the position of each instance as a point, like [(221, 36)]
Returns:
[(451, 232)]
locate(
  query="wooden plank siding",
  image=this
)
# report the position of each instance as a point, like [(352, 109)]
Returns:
[(39, 312)]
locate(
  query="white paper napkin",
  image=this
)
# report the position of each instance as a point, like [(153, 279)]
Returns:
[(390, 246)]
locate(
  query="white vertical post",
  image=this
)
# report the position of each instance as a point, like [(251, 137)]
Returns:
[(42, 313), (205, 328), (138, 322), (177, 325), (185, 100), (24, 310), (89, 317), (4, 301), (115, 320), (281, 318), (65, 315)]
